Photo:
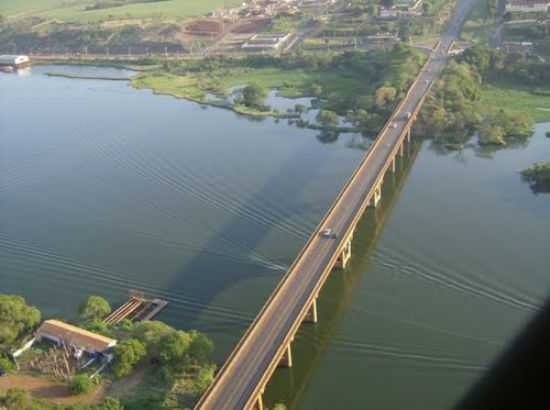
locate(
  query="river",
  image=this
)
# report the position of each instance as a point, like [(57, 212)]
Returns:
[(104, 188)]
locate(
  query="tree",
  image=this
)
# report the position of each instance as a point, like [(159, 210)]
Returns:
[(174, 349), (254, 96), (491, 134), (150, 332), (405, 29), (16, 399), (16, 318), (426, 8), (203, 378), (109, 404), (201, 346), (300, 108), (327, 118), (385, 95), (127, 354), (81, 384), (94, 308), (316, 89)]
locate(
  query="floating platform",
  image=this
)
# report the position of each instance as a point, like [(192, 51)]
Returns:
[(135, 309)]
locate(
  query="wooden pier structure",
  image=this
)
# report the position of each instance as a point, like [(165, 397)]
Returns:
[(136, 308)]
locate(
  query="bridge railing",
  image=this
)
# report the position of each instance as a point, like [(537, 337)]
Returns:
[(245, 339)]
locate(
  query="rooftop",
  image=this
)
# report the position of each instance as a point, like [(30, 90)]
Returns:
[(76, 336)]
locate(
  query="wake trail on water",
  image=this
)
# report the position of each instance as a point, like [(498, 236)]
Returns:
[(415, 357), (63, 268), (233, 242), (443, 276)]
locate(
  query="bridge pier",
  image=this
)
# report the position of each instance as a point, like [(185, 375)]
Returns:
[(345, 255), (401, 150), (377, 196), (286, 360), (393, 165), (311, 316)]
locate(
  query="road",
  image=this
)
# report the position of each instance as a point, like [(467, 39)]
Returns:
[(251, 364)]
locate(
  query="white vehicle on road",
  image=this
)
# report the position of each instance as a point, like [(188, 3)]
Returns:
[(393, 125), (327, 233)]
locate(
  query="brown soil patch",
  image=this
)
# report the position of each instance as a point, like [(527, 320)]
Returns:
[(251, 26), (50, 390), (204, 27)]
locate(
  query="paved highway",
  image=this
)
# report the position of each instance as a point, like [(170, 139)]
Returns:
[(251, 364)]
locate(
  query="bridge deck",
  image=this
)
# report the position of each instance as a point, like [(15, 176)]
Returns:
[(253, 361)]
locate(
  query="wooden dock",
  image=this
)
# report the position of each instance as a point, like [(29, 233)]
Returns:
[(136, 308)]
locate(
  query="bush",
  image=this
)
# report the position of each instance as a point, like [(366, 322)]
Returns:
[(127, 355), (6, 363), (94, 308), (16, 318), (81, 384)]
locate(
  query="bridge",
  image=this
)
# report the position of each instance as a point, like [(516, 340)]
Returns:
[(267, 344)]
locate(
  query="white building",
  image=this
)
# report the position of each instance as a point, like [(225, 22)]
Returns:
[(528, 6), (14, 61), (81, 340), (268, 41)]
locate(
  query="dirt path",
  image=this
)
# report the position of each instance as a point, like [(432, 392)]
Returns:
[(50, 390)]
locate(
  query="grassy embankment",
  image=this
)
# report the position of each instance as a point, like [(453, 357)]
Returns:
[(517, 98), (337, 83), (75, 12)]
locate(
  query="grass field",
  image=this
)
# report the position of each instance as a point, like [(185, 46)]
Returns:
[(74, 10), (515, 98), (289, 83)]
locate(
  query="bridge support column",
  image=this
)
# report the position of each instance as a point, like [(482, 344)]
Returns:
[(393, 165), (376, 197), (345, 256), (311, 316), (401, 151), (286, 360), (409, 135)]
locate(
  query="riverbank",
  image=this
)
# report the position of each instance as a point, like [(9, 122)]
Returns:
[(516, 98)]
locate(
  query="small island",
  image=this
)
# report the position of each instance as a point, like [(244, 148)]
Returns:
[(538, 176)]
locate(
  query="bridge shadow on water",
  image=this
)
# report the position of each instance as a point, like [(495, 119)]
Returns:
[(198, 283), (289, 385)]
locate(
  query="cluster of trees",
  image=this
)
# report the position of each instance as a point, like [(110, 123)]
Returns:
[(496, 65), (538, 175), (17, 319), (19, 399), (253, 96), (451, 114), (502, 128)]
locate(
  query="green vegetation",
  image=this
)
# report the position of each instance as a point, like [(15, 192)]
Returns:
[(155, 366), (80, 11), (538, 175), (16, 319), (253, 96), (354, 84), (94, 308), (498, 95), (127, 354), (81, 384)]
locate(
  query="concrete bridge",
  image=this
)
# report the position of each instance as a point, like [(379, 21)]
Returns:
[(267, 344)]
